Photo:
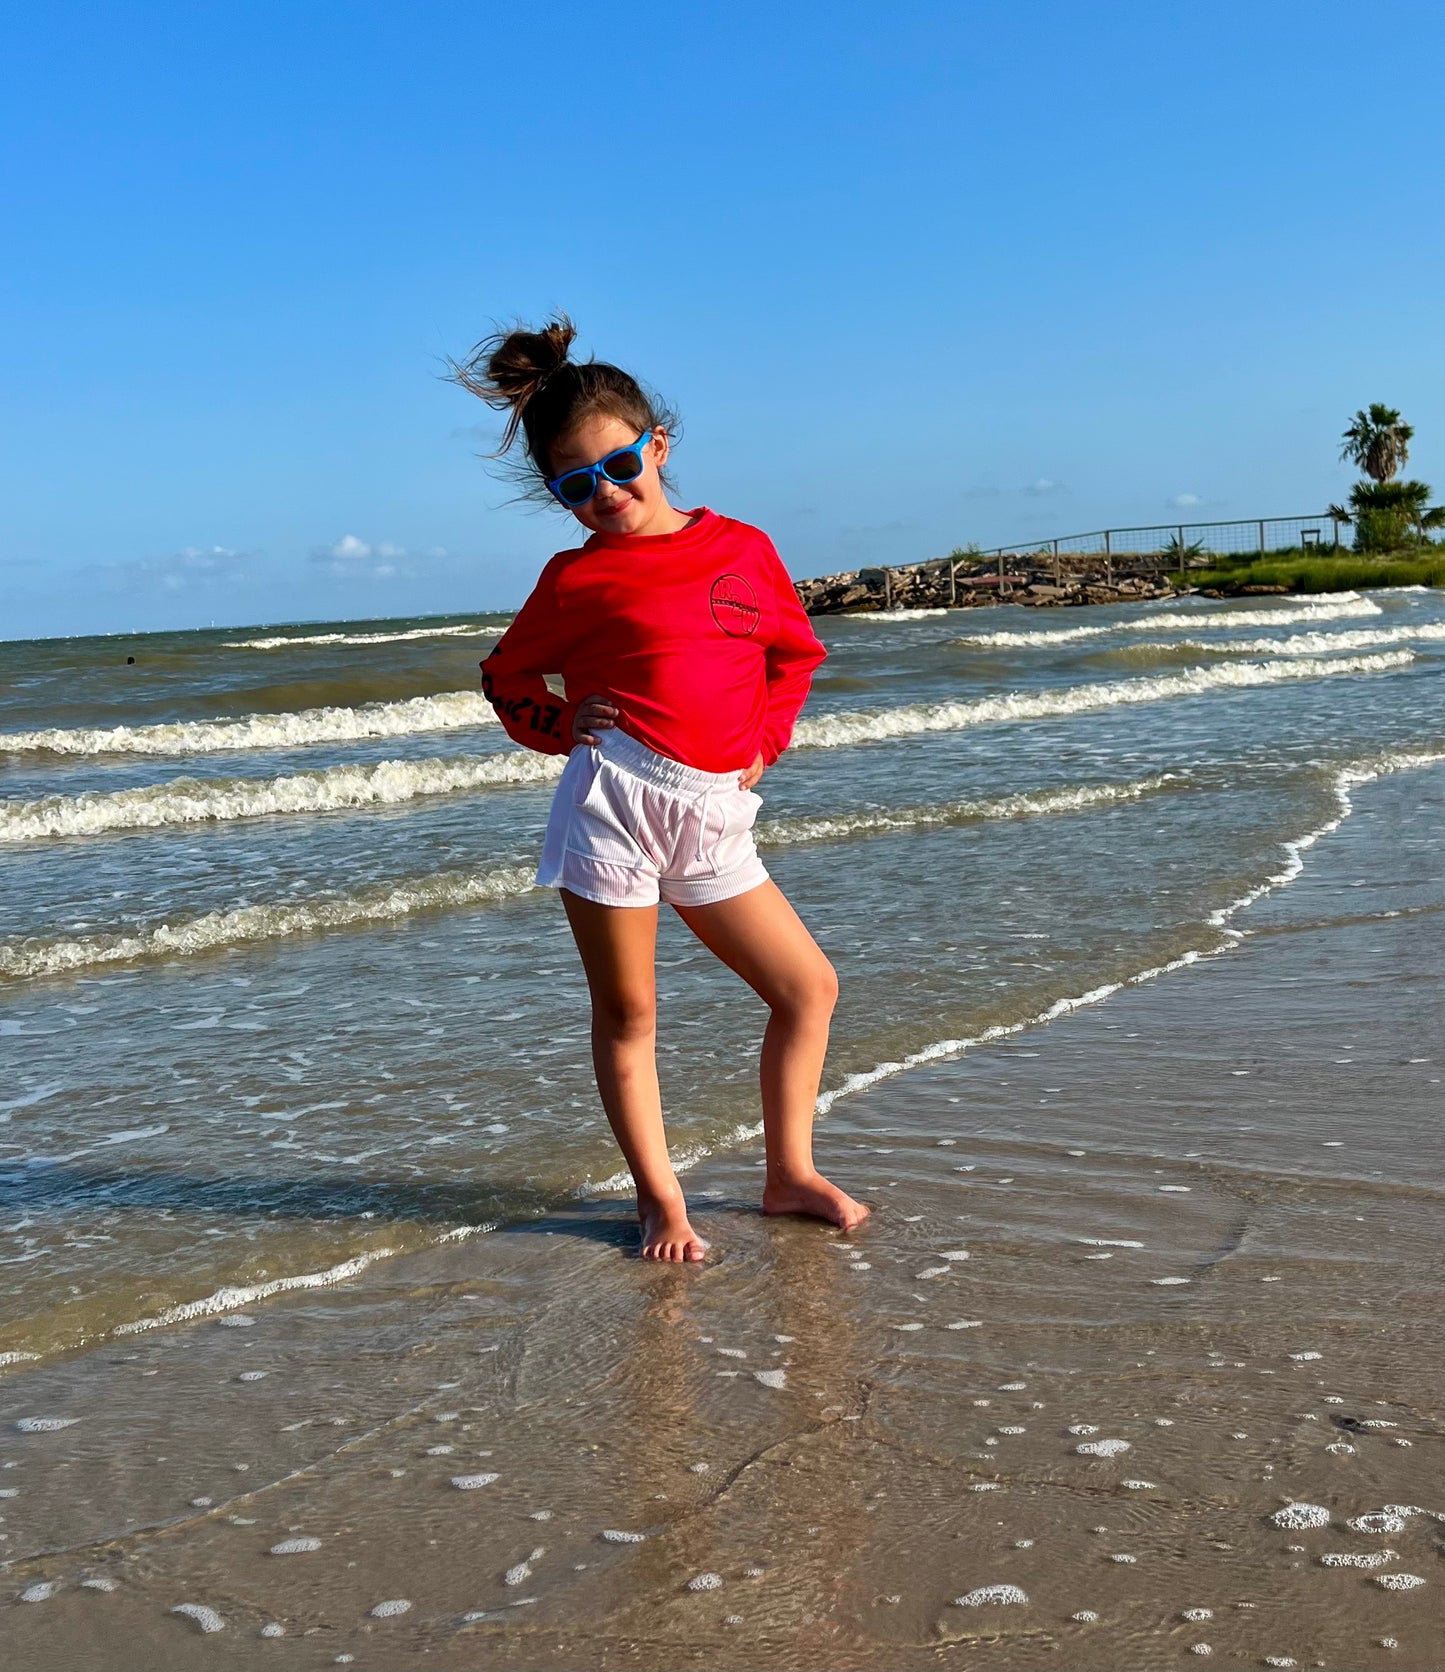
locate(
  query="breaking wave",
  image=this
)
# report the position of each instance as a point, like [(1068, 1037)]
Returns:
[(448, 711), (28, 959), (1306, 644), (200, 801), (834, 731), (1339, 606), (32, 958), (1030, 804), (281, 642)]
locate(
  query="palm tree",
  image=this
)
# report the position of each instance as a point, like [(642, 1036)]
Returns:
[(1377, 441)]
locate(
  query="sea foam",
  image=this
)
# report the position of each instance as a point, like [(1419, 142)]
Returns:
[(1338, 606), (283, 642), (448, 711), (832, 731), (383, 903), (199, 801)]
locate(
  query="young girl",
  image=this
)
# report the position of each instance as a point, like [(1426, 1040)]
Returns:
[(667, 657)]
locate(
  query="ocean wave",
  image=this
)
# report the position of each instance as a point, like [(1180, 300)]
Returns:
[(28, 959), (897, 615), (32, 958), (834, 731), (1341, 606), (1028, 804), (466, 630), (1304, 644), (199, 801), (448, 711), (1343, 780)]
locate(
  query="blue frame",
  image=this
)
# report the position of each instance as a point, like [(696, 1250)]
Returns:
[(599, 470)]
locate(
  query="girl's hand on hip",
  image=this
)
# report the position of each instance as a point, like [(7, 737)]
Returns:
[(747, 779), (594, 715)]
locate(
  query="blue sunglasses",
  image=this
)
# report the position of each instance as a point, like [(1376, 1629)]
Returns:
[(576, 487)]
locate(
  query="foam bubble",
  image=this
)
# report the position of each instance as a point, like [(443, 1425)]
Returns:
[(206, 1618), (705, 1582), (41, 1591), (1168, 1282), (1357, 1559), (1379, 1521), (1201, 1649), (966, 1323), (1103, 1448), (1085, 1617), (1197, 1614), (470, 1483), (44, 1425), (1305, 1358), (273, 1628), (613, 1536), (1298, 1516), (253, 1375), (1127, 1561), (991, 1595), (1399, 1581), (17, 1358), (1109, 1242), (446, 712), (391, 1608), (295, 1546), (1139, 1485), (1083, 1428), (771, 1378), (98, 1584), (933, 1271)]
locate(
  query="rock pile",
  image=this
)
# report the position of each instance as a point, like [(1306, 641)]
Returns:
[(1024, 581)]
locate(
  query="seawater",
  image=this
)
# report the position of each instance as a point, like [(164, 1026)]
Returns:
[(278, 998)]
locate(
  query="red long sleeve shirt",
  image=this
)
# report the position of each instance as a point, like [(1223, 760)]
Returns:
[(698, 638)]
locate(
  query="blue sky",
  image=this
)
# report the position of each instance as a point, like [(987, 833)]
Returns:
[(915, 275)]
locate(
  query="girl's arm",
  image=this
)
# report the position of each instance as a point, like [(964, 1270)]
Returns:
[(514, 676), (792, 656)]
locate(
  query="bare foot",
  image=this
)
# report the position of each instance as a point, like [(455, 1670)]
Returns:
[(817, 1198), (666, 1233)]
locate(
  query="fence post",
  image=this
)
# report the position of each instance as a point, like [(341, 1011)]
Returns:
[(1261, 536), (1108, 557), (887, 589), (953, 580), (1056, 563), (1000, 566)]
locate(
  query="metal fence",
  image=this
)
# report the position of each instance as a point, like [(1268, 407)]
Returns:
[(1254, 534), (1155, 547)]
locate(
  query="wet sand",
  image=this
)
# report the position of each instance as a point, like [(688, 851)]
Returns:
[(1200, 1221)]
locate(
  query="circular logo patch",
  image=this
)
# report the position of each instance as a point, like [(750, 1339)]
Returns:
[(734, 606)]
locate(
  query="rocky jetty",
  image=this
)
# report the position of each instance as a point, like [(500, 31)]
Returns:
[(1020, 581)]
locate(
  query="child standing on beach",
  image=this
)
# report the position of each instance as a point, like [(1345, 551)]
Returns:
[(667, 657)]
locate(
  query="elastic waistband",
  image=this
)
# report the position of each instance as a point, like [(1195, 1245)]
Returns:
[(634, 757)]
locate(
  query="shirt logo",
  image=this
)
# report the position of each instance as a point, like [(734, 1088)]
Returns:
[(734, 606)]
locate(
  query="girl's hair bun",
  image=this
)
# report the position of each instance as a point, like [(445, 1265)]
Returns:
[(530, 376), (507, 369)]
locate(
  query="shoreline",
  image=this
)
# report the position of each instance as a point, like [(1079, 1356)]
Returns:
[(1027, 1272)]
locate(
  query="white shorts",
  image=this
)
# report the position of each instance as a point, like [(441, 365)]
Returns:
[(629, 827)]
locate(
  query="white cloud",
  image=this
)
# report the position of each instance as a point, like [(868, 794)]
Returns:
[(351, 558), (1185, 501), (1044, 485)]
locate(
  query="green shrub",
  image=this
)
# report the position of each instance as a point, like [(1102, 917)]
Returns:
[(1324, 574)]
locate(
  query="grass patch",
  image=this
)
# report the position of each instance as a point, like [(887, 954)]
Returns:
[(1307, 572)]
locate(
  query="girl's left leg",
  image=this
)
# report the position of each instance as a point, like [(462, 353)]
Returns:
[(761, 937)]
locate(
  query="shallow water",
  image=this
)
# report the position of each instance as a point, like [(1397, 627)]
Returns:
[(276, 994)]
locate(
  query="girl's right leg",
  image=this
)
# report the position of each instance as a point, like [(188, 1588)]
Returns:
[(618, 947)]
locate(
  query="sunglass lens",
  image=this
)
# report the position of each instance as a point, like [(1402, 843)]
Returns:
[(624, 467), (577, 488)]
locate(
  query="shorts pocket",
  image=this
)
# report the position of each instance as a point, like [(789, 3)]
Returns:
[(734, 846), (604, 821)]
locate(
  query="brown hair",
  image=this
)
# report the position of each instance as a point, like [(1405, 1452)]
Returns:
[(527, 375)]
